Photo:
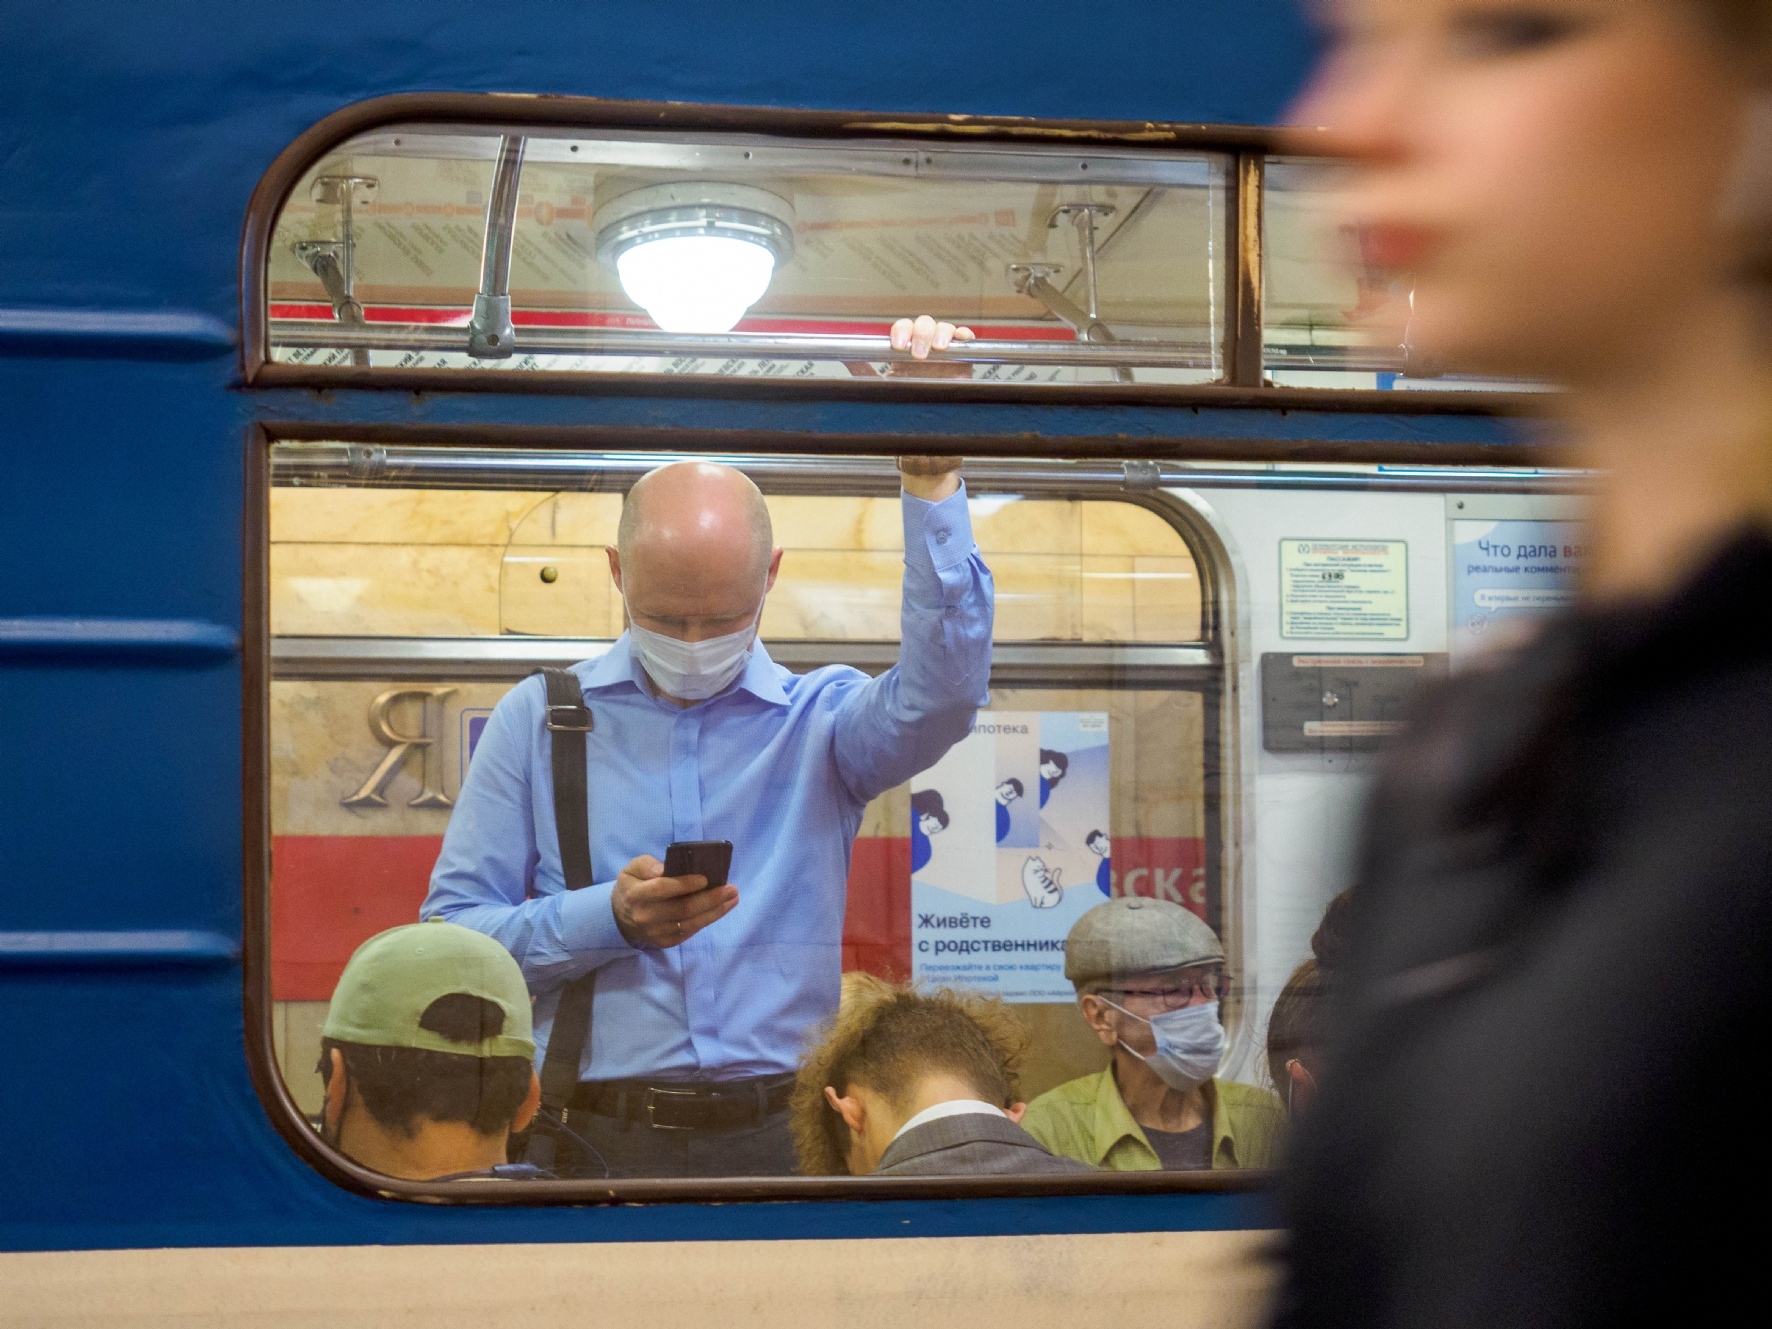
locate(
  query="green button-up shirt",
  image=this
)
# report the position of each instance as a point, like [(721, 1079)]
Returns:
[(1087, 1119)]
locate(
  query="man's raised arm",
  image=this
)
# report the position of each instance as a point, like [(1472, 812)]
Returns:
[(903, 721)]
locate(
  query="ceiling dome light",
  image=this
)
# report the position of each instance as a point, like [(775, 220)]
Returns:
[(695, 256)]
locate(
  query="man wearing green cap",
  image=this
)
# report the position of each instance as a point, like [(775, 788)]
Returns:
[(1149, 977), (427, 1054)]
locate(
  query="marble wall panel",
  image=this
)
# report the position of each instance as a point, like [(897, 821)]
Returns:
[(807, 522), (1106, 599), (454, 516), (1167, 765), (297, 1028), (1126, 528), (571, 519), (460, 563), (398, 516), (323, 749), (580, 601), (1039, 597), (385, 590), (1026, 526), (836, 593), (1166, 594)]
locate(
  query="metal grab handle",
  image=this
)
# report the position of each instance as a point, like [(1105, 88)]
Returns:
[(1034, 280), (330, 271), (305, 333), (490, 334), (334, 261)]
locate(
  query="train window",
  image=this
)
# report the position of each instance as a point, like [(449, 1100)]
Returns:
[(412, 589), (695, 254), (1190, 666), (1333, 316)]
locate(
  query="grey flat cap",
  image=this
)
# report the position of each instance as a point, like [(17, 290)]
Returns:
[(1134, 935)]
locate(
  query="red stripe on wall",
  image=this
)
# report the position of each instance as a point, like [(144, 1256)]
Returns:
[(331, 893), (877, 923), (1162, 868)]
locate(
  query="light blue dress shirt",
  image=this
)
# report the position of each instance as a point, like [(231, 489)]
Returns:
[(781, 764)]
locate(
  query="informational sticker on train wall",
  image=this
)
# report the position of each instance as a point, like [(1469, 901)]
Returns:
[(1353, 590), (1010, 845), (1506, 575)]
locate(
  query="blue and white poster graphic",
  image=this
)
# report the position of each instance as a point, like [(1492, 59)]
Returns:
[(1507, 573), (1010, 845)]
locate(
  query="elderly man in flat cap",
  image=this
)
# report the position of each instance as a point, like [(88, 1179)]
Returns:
[(1149, 977)]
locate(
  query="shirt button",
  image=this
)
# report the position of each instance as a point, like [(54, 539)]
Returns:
[(941, 537)]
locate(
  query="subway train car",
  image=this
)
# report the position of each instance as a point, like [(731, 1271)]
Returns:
[(332, 338)]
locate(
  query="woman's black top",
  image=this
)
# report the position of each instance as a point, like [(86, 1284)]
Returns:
[(1542, 1104)]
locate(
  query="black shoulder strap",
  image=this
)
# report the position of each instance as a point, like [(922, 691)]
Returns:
[(568, 721)]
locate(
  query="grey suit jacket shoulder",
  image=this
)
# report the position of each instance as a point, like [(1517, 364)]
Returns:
[(975, 1144)]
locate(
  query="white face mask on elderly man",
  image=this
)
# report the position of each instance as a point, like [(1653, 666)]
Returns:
[(1190, 1044), (692, 670)]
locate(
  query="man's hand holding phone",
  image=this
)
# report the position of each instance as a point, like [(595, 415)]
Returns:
[(652, 909)]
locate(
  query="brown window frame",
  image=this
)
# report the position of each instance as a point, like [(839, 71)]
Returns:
[(1248, 148)]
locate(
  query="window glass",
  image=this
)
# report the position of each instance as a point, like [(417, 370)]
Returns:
[(1190, 670), (755, 256), (406, 608), (1332, 318)]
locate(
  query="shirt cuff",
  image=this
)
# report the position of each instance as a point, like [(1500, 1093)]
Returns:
[(937, 535), (587, 920)]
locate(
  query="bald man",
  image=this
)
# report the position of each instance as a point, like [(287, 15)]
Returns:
[(705, 996)]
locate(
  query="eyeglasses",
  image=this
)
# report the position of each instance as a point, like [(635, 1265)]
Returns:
[(1209, 981)]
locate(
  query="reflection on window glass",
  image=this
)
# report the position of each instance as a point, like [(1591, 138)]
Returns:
[(704, 254), (1332, 318), (962, 726)]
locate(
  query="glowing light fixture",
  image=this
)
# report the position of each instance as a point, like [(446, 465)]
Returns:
[(695, 256)]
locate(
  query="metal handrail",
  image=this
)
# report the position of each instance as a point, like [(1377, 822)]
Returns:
[(377, 465), (306, 333), (1101, 664), (315, 334)]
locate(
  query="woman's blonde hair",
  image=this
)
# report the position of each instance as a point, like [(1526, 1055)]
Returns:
[(887, 1038)]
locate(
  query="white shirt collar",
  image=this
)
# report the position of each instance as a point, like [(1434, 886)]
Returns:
[(955, 1107)]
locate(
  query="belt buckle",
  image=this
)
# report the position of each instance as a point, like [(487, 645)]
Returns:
[(653, 1094), (579, 715)]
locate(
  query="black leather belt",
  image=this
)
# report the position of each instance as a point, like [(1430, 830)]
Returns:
[(720, 1106)]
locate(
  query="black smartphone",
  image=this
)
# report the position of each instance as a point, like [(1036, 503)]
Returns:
[(699, 858)]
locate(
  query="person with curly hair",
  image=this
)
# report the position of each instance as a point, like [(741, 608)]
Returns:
[(915, 1083)]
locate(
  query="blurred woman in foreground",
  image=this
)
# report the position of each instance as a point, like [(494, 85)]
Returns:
[(1560, 955)]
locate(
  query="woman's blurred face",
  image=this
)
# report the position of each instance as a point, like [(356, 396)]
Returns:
[(1549, 172)]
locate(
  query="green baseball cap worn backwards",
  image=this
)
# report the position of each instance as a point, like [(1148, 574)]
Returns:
[(394, 977), (1136, 935)]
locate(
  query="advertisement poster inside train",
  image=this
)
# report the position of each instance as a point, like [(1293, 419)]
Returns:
[(1505, 575), (1009, 847)]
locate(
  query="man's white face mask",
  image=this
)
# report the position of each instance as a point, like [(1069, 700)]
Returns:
[(692, 670)]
